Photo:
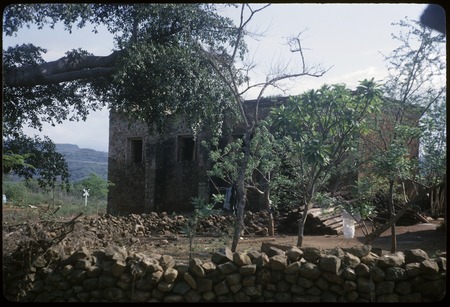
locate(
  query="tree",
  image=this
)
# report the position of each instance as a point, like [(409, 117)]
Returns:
[(98, 187), (433, 156), (157, 71), (318, 129), (156, 68), (38, 159), (236, 78), (264, 162), (413, 87)]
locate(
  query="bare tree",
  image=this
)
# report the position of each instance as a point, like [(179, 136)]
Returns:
[(226, 67)]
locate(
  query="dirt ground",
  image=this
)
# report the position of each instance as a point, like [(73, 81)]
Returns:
[(420, 236)]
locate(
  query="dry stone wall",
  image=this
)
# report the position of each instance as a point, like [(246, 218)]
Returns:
[(308, 274)]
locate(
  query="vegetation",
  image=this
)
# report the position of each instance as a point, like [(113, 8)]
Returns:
[(414, 90), (237, 81), (27, 158), (318, 130), (186, 60), (27, 198), (171, 51), (264, 161)]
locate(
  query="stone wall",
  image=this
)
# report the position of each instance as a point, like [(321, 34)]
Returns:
[(161, 181), (127, 175), (272, 275)]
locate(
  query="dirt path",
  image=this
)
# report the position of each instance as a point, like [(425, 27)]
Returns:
[(423, 236), (419, 236)]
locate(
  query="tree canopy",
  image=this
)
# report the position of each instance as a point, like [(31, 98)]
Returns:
[(158, 69), (33, 157)]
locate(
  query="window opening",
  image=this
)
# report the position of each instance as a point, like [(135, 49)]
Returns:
[(187, 148), (136, 146)]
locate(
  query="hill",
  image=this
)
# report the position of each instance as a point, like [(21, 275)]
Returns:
[(83, 161)]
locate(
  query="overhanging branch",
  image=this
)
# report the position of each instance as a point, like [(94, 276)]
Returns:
[(62, 70)]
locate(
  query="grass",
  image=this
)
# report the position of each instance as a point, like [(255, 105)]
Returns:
[(27, 203)]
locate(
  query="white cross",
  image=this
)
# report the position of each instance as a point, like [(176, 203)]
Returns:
[(85, 194)]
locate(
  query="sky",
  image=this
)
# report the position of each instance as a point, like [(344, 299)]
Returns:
[(349, 39)]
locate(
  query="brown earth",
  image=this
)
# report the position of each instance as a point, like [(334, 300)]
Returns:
[(423, 236)]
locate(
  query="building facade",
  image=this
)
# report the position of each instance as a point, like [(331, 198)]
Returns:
[(164, 172), (160, 172)]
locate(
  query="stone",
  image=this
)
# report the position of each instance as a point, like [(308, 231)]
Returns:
[(429, 267), (415, 255), (390, 260), (227, 267), (294, 254), (222, 255), (312, 254), (309, 271), (385, 287), (241, 259), (278, 262), (247, 270), (351, 260), (170, 275), (395, 273), (330, 263)]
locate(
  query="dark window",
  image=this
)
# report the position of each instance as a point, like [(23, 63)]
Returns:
[(136, 150), (186, 148)]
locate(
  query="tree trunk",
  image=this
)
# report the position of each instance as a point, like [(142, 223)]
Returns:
[(392, 210), (240, 216), (240, 192), (375, 234), (270, 227), (301, 226)]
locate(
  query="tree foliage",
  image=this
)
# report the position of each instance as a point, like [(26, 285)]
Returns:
[(318, 129), (98, 187), (158, 69), (37, 158), (234, 73), (413, 91), (25, 106)]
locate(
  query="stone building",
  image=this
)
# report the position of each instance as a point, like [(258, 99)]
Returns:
[(163, 172), (160, 172)]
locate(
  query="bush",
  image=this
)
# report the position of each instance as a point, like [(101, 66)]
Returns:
[(15, 192)]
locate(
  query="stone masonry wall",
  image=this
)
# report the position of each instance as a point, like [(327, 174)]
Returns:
[(161, 182), (128, 192), (273, 275)]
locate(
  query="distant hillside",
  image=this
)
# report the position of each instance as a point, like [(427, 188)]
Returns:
[(83, 161)]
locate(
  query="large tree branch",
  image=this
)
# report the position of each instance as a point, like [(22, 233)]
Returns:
[(62, 70)]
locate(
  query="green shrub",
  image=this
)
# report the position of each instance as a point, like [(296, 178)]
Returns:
[(15, 192)]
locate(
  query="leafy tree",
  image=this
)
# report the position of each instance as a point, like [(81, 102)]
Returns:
[(318, 129), (98, 187), (414, 86), (264, 162), (158, 69), (187, 52), (37, 158), (12, 160), (433, 156)]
